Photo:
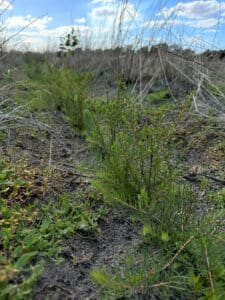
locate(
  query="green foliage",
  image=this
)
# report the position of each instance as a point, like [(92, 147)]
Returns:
[(134, 164), (31, 232), (23, 290), (9, 183), (158, 97)]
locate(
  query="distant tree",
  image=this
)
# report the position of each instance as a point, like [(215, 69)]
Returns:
[(176, 48), (69, 42)]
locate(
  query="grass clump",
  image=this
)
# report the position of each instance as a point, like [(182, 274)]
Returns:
[(68, 91), (51, 88)]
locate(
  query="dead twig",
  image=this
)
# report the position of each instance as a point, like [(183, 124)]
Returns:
[(167, 265), (209, 268)]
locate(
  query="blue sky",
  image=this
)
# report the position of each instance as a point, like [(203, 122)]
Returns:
[(199, 24)]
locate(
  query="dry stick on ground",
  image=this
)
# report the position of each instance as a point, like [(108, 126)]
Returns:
[(208, 268), (198, 93), (211, 102), (75, 173), (167, 265), (12, 120), (207, 90), (202, 90), (50, 152), (152, 286)]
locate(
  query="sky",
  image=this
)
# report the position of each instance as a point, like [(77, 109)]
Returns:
[(198, 24)]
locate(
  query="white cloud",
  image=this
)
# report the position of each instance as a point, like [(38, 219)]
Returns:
[(80, 20), (103, 12), (207, 23), (33, 43), (94, 2), (112, 14), (18, 22), (202, 23), (195, 9), (57, 32), (5, 5)]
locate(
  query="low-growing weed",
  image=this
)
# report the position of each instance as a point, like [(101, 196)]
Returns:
[(31, 231)]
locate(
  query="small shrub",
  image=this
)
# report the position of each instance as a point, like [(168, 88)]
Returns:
[(134, 156), (105, 119)]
